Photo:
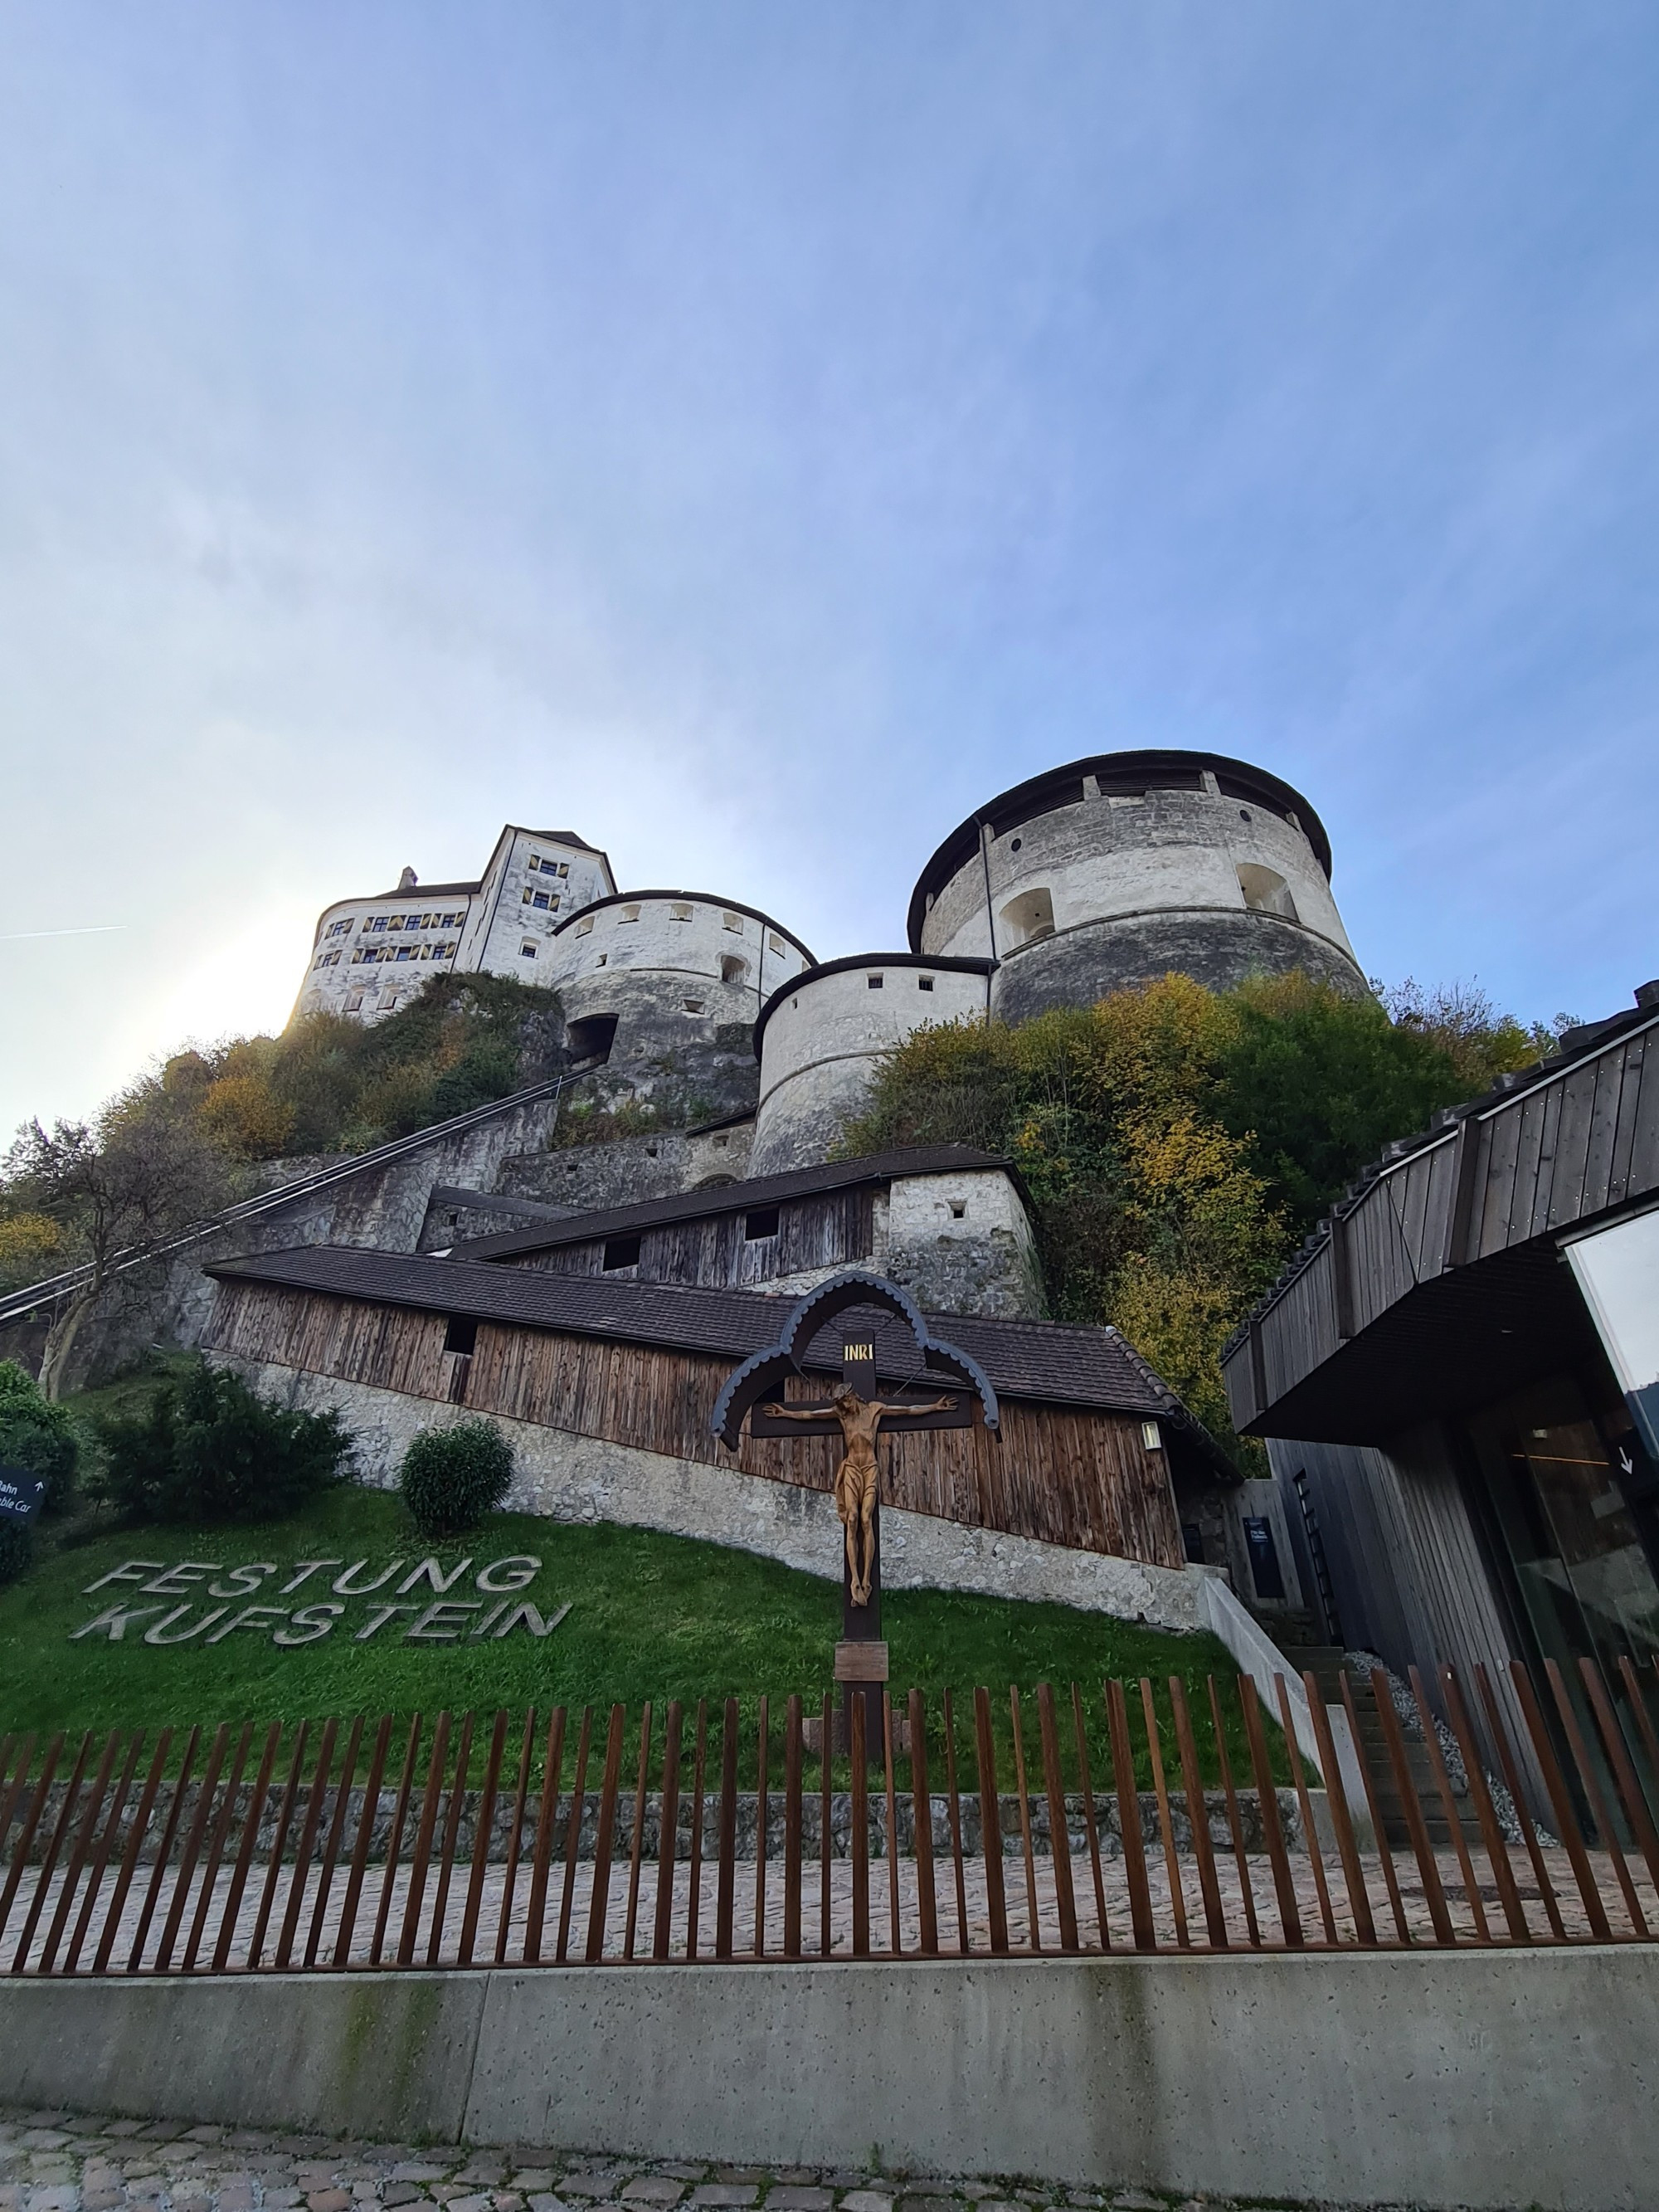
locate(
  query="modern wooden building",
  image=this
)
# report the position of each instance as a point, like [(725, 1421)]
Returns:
[(1451, 1374)]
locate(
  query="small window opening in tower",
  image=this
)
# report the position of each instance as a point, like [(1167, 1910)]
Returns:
[(629, 914), (733, 970), (773, 941), (924, 983), (760, 1221), (1029, 917), (679, 911), (621, 1252), (958, 1208), (526, 952), (693, 1006), (585, 927), (1265, 892), (733, 922), (874, 982)]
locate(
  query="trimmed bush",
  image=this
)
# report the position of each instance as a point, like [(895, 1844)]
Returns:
[(37, 1435), (17, 1549), (211, 1449), (451, 1478)]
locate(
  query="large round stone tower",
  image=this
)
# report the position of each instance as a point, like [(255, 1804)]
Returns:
[(1116, 869)]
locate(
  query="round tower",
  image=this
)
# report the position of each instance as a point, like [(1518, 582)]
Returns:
[(666, 979), (818, 1039), (1114, 869)]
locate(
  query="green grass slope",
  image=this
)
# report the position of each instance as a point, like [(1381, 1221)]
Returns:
[(650, 1616)]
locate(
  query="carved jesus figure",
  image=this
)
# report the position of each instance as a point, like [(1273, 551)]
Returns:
[(857, 1480)]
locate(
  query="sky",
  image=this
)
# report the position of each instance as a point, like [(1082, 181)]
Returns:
[(752, 436)]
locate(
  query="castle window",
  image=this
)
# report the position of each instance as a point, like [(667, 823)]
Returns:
[(354, 1000), (1029, 917), (396, 923), (461, 1331), (527, 951), (603, 957), (408, 952), (388, 1000), (378, 922), (621, 1252), (629, 914), (584, 927), (529, 895), (554, 901), (1265, 892), (924, 983), (958, 1208), (733, 970), (773, 941), (564, 868), (540, 900), (762, 1222), (693, 1006), (679, 912), (733, 921), (874, 982)]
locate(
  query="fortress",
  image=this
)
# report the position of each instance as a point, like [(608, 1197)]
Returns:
[(1105, 872)]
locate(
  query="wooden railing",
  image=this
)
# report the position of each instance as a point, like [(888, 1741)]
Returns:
[(560, 1838)]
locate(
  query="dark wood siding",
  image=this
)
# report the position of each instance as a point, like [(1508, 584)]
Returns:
[(833, 1229), (1063, 1475)]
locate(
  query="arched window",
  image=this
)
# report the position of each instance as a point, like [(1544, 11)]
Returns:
[(1029, 917), (1266, 892)]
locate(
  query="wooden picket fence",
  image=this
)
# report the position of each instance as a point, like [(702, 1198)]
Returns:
[(588, 1838)]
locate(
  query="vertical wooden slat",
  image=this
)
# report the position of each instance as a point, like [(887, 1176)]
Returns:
[(79, 1852), (791, 1827), (1353, 1874), (216, 1850), (693, 1870), (273, 1870), (1638, 1701), (163, 1853), (192, 1851), (106, 1845), (1235, 1824), (990, 1823), (136, 1835), (1624, 1774), (574, 1834), (725, 1876), (515, 1835), (1023, 1799), (481, 1839), (1492, 1836), (1567, 1821), (763, 1814), (637, 1848), (1165, 1824), (921, 1821), (394, 1841), (1142, 1926), (307, 1844), (953, 1799), (1374, 1807), (60, 1828), (599, 1898), (1060, 1837), (1305, 1803), (1091, 1824), (366, 1820), (239, 1873), (1198, 1818), (668, 1834), (826, 1806), (891, 1842), (860, 1777), (421, 1858), (547, 1813), (1601, 1812), (1415, 1825), (335, 1831), (452, 1811), (1290, 1920), (1449, 1805)]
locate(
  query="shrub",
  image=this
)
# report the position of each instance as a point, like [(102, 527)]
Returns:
[(211, 1449), (451, 1478), (17, 1549), (37, 1435)]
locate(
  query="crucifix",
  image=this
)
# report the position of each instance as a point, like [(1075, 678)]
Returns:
[(859, 1414)]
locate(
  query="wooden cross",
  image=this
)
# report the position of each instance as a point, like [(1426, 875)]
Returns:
[(857, 1412)]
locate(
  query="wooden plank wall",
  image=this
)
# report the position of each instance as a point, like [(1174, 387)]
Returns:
[(830, 1231), (1063, 1475)]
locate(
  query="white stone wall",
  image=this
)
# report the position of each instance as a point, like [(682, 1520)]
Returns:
[(962, 1243), (692, 958), (1171, 851), (820, 1047), (580, 1479), (513, 931)]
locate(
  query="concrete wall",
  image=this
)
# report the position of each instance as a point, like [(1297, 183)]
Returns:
[(961, 1244), (821, 1045), (1138, 886), (574, 1478), (1479, 2078)]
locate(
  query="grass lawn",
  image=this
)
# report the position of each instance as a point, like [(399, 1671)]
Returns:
[(650, 1616)]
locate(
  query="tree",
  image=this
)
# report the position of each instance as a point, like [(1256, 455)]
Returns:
[(148, 1171)]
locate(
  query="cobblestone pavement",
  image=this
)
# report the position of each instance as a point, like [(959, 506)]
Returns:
[(67, 2162)]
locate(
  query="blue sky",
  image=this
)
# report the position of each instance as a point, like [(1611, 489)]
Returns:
[(751, 435)]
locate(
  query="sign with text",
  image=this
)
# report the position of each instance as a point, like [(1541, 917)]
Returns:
[(202, 1602), (21, 1493)]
